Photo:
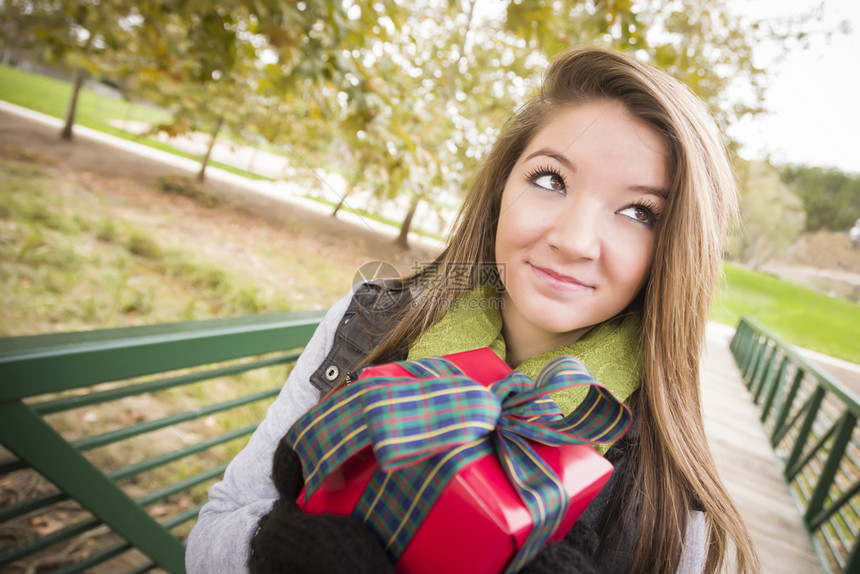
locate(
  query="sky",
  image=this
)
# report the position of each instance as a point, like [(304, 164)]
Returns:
[(813, 94)]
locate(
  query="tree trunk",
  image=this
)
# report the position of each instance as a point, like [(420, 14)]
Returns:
[(403, 239), (66, 133), (356, 177), (201, 176), (346, 192)]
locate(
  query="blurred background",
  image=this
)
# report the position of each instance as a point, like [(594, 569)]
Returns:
[(377, 115), (186, 159), (810, 117)]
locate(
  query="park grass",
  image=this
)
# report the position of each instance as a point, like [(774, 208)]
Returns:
[(67, 264), (69, 261), (96, 111), (798, 315), (51, 97)]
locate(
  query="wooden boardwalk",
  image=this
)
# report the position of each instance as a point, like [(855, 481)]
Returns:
[(747, 464)]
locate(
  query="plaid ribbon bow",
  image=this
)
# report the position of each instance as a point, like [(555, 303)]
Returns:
[(426, 427)]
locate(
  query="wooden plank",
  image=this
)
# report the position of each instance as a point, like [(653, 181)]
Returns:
[(748, 465)]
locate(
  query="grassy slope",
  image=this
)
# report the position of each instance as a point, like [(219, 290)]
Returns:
[(67, 264), (51, 97), (79, 252), (798, 315), (801, 316)]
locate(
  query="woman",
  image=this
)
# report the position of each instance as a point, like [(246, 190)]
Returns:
[(600, 214)]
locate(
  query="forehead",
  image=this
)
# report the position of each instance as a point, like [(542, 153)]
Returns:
[(604, 137), (575, 122)]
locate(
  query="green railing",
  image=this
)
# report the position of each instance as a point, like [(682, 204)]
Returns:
[(811, 420), (110, 438)]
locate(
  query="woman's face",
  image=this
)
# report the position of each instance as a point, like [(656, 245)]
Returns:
[(576, 233)]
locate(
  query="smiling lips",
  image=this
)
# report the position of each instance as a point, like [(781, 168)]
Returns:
[(557, 281)]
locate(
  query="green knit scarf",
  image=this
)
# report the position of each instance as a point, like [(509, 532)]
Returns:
[(610, 350)]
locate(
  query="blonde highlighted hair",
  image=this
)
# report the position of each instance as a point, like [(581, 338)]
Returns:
[(674, 470)]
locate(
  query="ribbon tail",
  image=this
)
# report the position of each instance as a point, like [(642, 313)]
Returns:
[(539, 488), (395, 504)]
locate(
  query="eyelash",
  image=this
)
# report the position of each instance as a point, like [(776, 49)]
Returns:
[(651, 208), (644, 204), (540, 171)]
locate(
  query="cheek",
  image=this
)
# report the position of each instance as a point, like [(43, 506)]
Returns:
[(507, 230), (514, 233), (631, 264), (522, 222), (503, 237)]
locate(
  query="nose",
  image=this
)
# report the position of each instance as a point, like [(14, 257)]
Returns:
[(575, 230)]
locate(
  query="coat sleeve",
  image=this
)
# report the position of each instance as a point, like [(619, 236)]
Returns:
[(695, 545), (220, 541)]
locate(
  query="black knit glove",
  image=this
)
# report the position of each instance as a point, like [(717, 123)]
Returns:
[(573, 555), (288, 540)]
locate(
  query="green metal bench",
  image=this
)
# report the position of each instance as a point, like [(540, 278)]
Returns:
[(810, 417), (93, 375), (811, 420)]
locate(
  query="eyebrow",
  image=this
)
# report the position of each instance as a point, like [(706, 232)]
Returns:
[(554, 155), (658, 191), (547, 152)]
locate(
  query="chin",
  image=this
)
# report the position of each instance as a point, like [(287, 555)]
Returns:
[(558, 327)]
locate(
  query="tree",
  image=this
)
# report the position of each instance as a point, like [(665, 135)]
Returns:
[(82, 34), (406, 98), (198, 65), (700, 42), (16, 28), (423, 105), (771, 216), (471, 77), (241, 59), (831, 197)]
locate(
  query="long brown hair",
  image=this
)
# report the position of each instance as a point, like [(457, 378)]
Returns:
[(674, 469)]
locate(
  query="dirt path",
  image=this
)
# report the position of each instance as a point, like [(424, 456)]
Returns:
[(233, 236), (284, 246), (85, 154), (343, 242)]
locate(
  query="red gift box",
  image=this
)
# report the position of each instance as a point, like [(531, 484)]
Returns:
[(479, 521)]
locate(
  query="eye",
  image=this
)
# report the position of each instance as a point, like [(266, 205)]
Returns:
[(547, 179), (553, 182), (642, 214)]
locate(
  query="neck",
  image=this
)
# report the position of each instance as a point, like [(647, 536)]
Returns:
[(524, 340)]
